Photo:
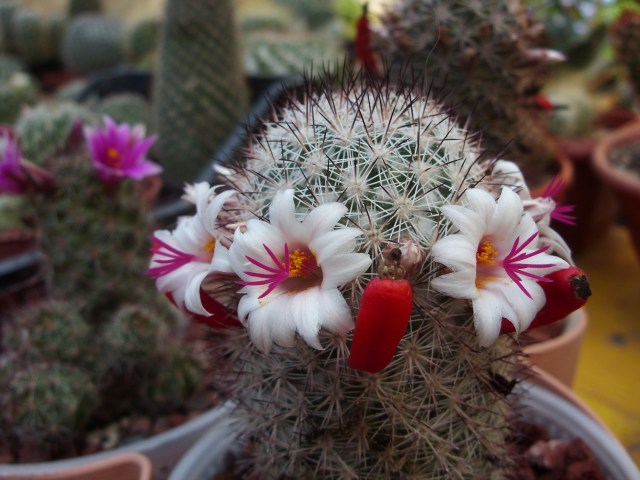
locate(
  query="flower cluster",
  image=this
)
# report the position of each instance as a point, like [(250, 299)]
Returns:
[(116, 151), (289, 271)]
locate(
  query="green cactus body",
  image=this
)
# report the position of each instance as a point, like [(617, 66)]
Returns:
[(479, 59), (393, 159), (93, 43), (48, 404), (200, 87), (273, 54), (38, 39), (80, 7), (8, 9), (17, 89), (127, 108), (142, 39), (52, 330), (45, 129), (625, 35)]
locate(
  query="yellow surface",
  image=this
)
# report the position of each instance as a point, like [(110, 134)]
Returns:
[(608, 376)]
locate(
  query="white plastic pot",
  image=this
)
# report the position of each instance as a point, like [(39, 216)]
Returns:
[(163, 450)]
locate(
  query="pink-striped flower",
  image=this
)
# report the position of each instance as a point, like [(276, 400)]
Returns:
[(118, 151), (181, 259), (291, 271), (496, 261)]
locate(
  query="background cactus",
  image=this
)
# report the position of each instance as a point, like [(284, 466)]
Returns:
[(92, 43), (38, 39), (392, 158), (142, 40), (128, 108), (482, 59), (47, 128), (8, 9), (200, 86), (80, 7), (17, 89), (625, 36)]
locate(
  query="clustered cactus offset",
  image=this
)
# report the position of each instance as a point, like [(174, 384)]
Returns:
[(405, 188)]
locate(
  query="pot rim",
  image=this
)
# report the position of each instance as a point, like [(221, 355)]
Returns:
[(613, 176)]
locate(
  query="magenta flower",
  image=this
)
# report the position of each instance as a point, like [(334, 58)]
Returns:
[(12, 176), (118, 151)]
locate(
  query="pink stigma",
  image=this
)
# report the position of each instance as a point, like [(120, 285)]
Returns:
[(172, 258), (514, 266), (272, 276), (561, 213)]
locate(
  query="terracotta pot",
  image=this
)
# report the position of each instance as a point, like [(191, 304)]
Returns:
[(562, 169), (625, 186), (559, 354), (595, 207), (127, 466)]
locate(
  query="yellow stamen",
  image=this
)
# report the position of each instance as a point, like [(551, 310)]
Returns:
[(486, 254), (297, 261), (210, 245), (112, 153)]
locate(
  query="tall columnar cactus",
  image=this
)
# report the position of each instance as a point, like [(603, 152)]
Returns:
[(92, 43), (200, 87), (625, 35), (38, 39), (484, 60), (393, 160)]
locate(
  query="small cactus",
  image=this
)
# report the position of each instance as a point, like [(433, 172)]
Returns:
[(17, 89), (625, 36), (8, 9), (127, 108), (52, 331), (483, 60), (142, 39), (47, 404), (81, 7), (38, 39), (47, 128), (93, 43)]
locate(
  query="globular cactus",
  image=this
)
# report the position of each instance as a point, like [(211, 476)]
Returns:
[(127, 108), (38, 39), (70, 90), (48, 128), (393, 159), (200, 91), (17, 89), (93, 43), (142, 39), (482, 59), (316, 13), (274, 54), (46, 404), (80, 7), (52, 331), (625, 36)]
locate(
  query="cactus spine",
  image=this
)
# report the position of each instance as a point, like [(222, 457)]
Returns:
[(480, 59), (200, 88), (625, 35), (392, 158)]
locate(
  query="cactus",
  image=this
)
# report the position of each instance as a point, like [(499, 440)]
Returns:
[(38, 40), (200, 87), (8, 9), (316, 13), (625, 36), (17, 89), (52, 331), (48, 404), (70, 90), (93, 43), (272, 54), (483, 60), (127, 108), (80, 7), (47, 128), (393, 159), (142, 39)]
